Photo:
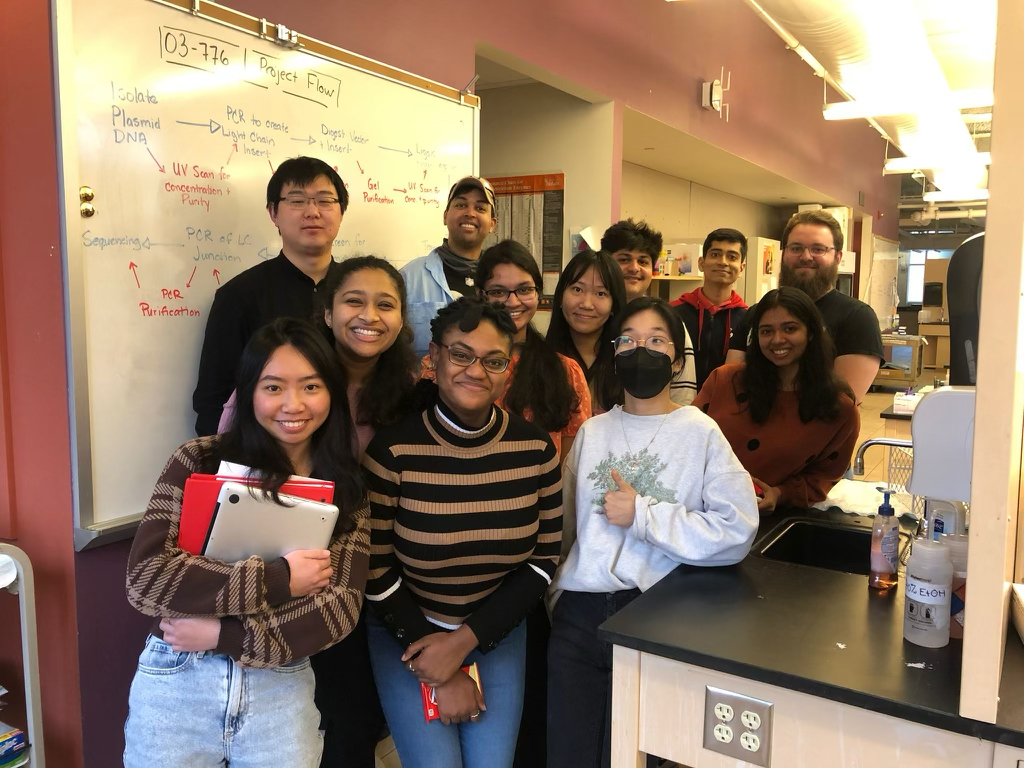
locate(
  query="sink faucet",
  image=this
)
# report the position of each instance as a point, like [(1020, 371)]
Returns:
[(858, 462)]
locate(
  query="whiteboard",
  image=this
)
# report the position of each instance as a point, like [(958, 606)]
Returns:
[(175, 123)]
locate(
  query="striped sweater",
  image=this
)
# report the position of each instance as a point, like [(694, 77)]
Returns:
[(466, 524), (261, 624)]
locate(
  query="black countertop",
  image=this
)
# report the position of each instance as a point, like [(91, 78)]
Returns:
[(889, 413), (816, 631)]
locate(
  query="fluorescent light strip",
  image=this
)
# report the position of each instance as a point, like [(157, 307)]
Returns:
[(955, 195), (916, 163), (855, 110)]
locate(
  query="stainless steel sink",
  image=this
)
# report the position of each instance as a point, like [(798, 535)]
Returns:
[(822, 544)]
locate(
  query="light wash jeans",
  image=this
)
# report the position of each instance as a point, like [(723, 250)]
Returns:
[(202, 710), (488, 743)]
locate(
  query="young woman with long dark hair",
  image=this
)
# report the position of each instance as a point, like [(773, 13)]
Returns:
[(647, 486), (589, 294), (543, 387), (466, 517), (233, 639), (790, 419), (362, 314)]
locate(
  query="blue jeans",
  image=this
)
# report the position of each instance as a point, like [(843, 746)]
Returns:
[(202, 710), (490, 742)]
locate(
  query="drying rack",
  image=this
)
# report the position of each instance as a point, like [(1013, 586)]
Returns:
[(24, 587)]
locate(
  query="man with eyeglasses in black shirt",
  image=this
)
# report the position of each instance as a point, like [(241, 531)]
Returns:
[(306, 200), (812, 246)]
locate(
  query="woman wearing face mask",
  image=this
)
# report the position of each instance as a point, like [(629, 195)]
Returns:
[(230, 641), (647, 486), (790, 419), (543, 387), (590, 292), (467, 523)]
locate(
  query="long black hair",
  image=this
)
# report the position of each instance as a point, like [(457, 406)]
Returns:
[(818, 384), (332, 447), (540, 384), (384, 397), (600, 375)]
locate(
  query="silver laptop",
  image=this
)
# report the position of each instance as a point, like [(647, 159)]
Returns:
[(246, 523)]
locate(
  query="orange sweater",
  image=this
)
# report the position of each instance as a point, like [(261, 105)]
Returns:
[(802, 460)]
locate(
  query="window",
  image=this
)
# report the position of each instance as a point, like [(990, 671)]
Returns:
[(915, 276)]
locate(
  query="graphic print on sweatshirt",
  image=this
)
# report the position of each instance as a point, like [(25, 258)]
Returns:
[(640, 470)]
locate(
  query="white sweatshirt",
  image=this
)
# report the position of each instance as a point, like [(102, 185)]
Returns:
[(695, 503)]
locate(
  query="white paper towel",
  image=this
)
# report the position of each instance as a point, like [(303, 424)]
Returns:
[(8, 571), (860, 497)]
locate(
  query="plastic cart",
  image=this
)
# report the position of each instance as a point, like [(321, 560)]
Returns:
[(24, 587)]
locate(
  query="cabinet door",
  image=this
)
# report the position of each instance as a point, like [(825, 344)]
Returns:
[(1008, 757)]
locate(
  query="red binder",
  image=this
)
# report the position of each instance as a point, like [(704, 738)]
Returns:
[(200, 499)]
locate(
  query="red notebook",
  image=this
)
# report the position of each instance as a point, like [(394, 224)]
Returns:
[(200, 500)]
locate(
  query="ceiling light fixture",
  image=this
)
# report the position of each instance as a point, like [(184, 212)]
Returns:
[(972, 98), (917, 162), (955, 195)]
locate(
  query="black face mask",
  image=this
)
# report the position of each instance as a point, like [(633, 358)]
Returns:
[(644, 374)]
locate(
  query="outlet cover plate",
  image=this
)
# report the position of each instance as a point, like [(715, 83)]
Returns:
[(740, 704)]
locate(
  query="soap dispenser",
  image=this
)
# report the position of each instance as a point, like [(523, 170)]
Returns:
[(885, 537)]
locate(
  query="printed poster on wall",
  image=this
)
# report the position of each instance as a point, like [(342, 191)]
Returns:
[(530, 211)]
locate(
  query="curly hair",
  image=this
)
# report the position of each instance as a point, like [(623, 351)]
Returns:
[(629, 235)]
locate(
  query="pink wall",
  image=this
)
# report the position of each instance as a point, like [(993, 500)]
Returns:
[(650, 55), (33, 305)]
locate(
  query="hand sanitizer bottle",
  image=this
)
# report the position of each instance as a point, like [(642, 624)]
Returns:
[(885, 539)]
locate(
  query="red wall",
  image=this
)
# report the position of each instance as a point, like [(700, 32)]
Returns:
[(34, 310), (648, 54)]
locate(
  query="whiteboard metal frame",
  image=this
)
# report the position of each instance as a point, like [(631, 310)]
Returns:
[(87, 532)]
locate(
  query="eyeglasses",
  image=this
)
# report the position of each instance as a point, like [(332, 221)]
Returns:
[(464, 359), (797, 249), (626, 344), (297, 203), (502, 294)]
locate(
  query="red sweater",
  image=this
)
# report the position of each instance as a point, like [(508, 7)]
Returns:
[(802, 460)]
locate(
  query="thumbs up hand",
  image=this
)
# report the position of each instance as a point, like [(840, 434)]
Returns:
[(620, 503)]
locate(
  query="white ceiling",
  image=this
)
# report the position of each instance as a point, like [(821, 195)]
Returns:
[(915, 54), (660, 147)]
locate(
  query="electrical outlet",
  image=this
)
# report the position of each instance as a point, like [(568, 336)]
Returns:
[(750, 738), (750, 720)]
